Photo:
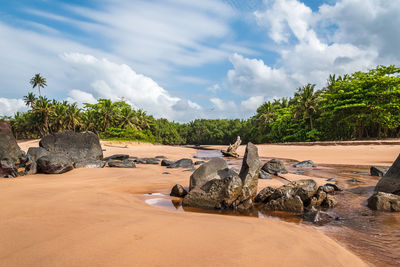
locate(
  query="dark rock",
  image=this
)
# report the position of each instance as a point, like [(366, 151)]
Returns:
[(178, 191), (166, 173), (329, 202), (390, 182), (328, 187), (353, 181), (378, 171), (121, 164), (317, 217), (275, 166), (384, 202), (34, 153), (117, 157), (160, 157), (216, 193), (199, 162), (76, 146), (166, 163), (90, 164), (305, 189), (11, 156), (148, 161), (331, 180), (303, 164), (264, 195), (291, 204), (54, 164), (7, 168), (249, 173), (264, 175), (182, 163), (206, 172)]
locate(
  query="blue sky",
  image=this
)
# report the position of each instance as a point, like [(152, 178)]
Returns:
[(189, 59)]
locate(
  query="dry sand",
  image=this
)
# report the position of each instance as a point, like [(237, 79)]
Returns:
[(97, 217)]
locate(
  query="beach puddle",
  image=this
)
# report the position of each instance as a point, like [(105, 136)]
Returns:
[(374, 236)]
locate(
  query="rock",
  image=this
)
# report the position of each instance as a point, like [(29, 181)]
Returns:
[(121, 164), (147, 161), (216, 193), (264, 175), (160, 157), (264, 195), (90, 164), (34, 153), (291, 204), (76, 146), (178, 191), (305, 189), (303, 164), (54, 164), (330, 188), (166, 173), (353, 181), (390, 182), (329, 202), (206, 172), (249, 173), (384, 202), (275, 166), (317, 217), (166, 163), (117, 157), (331, 180), (199, 162), (320, 197), (378, 170), (182, 163), (7, 168)]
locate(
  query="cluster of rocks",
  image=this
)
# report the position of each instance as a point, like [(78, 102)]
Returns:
[(387, 190), (214, 186)]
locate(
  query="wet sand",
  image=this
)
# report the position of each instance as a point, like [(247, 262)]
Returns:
[(97, 217)]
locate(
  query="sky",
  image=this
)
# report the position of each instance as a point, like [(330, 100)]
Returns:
[(189, 59)]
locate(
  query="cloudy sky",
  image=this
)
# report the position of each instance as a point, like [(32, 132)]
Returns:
[(184, 59)]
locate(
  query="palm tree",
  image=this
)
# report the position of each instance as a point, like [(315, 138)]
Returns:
[(30, 99), (306, 102), (44, 109), (38, 81), (73, 116), (108, 112), (128, 118)]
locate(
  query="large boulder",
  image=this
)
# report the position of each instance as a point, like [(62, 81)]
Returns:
[(54, 164), (275, 166), (76, 146), (35, 153), (390, 182), (378, 170), (384, 202), (11, 156), (249, 172), (206, 172), (217, 193)]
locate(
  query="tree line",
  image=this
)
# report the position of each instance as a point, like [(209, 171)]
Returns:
[(361, 105)]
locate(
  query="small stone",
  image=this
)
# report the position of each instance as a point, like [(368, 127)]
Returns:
[(303, 164), (121, 164), (331, 180), (178, 191)]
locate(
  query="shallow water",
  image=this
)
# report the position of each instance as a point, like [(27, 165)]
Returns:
[(374, 236)]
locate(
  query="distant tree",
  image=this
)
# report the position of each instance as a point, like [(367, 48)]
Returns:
[(30, 99), (306, 102), (39, 82)]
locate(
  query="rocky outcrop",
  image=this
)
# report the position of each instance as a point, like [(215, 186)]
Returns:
[(182, 163), (178, 191), (264, 195), (390, 182), (126, 163), (54, 164), (11, 156), (75, 146), (207, 172), (231, 150), (90, 164), (384, 202), (214, 186), (379, 171), (291, 204), (275, 166), (304, 164)]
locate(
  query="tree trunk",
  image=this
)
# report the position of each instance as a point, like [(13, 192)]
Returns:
[(311, 123)]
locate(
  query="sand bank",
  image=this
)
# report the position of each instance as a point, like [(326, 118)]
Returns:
[(97, 217)]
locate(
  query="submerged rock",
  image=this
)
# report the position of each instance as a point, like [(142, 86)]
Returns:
[(117, 157), (275, 166), (54, 164), (178, 191), (121, 164), (378, 170), (317, 217), (264, 175), (384, 202), (303, 164), (75, 146)]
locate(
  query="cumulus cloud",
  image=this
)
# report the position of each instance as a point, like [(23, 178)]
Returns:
[(101, 78), (252, 103), (81, 97), (9, 106)]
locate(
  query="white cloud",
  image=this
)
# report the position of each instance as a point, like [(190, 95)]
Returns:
[(81, 97), (8, 106), (252, 103), (223, 105)]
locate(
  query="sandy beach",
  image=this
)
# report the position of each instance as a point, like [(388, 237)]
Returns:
[(98, 217)]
